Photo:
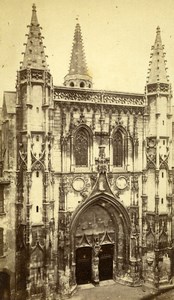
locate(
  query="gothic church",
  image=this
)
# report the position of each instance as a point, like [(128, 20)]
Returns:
[(85, 178)]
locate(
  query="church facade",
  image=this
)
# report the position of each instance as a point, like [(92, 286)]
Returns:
[(86, 178)]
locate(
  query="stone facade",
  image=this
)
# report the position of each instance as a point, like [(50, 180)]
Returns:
[(86, 179)]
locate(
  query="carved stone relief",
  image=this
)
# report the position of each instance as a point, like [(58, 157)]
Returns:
[(151, 152)]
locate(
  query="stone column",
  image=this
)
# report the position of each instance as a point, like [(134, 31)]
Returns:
[(73, 262), (111, 153), (156, 269), (73, 273), (144, 223), (28, 235), (120, 250), (95, 262), (135, 262), (115, 261), (71, 154)]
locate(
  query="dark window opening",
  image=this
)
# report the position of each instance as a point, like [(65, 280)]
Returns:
[(163, 142), (1, 169), (163, 122), (37, 109), (162, 201), (37, 208), (71, 83), (1, 200), (82, 84), (162, 175), (37, 173), (81, 146), (118, 149), (37, 138), (1, 242), (89, 85)]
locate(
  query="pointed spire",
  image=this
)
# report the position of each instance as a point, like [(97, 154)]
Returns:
[(34, 55), (157, 65), (78, 62), (78, 75)]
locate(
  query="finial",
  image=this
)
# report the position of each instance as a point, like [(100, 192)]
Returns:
[(158, 29), (77, 18), (34, 7)]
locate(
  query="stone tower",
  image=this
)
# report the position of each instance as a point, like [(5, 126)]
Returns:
[(34, 195), (157, 179)]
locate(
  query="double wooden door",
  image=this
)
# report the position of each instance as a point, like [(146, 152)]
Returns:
[(84, 264)]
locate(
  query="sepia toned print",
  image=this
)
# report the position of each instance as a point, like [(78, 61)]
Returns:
[(86, 179)]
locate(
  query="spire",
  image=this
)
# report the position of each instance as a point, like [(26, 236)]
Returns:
[(78, 62), (78, 73), (34, 55), (157, 69)]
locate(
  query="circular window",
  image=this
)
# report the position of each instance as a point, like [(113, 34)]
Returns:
[(82, 84), (78, 184), (121, 182), (71, 83)]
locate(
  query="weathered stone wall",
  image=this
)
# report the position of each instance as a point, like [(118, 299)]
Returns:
[(8, 186)]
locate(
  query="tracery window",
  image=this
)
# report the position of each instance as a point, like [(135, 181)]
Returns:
[(81, 148), (118, 153)]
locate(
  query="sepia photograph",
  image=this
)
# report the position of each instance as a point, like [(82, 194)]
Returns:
[(87, 150)]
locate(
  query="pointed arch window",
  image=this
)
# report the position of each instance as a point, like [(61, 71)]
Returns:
[(81, 148), (118, 153)]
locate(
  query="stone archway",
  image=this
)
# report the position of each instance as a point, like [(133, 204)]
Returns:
[(102, 225)]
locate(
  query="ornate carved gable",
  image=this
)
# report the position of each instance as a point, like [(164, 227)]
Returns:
[(102, 186)]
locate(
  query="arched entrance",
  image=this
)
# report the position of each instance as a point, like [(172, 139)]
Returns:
[(99, 241)]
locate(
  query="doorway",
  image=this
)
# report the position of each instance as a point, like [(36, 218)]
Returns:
[(83, 265), (106, 262), (4, 286)]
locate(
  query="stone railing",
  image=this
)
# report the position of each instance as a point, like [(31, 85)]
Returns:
[(98, 97)]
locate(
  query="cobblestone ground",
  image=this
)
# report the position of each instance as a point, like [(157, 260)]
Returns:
[(113, 291), (165, 296)]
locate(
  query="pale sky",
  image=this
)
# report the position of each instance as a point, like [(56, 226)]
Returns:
[(117, 35)]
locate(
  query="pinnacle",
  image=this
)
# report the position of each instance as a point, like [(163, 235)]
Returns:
[(158, 29), (157, 65), (78, 62), (78, 72), (34, 55), (34, 7)]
